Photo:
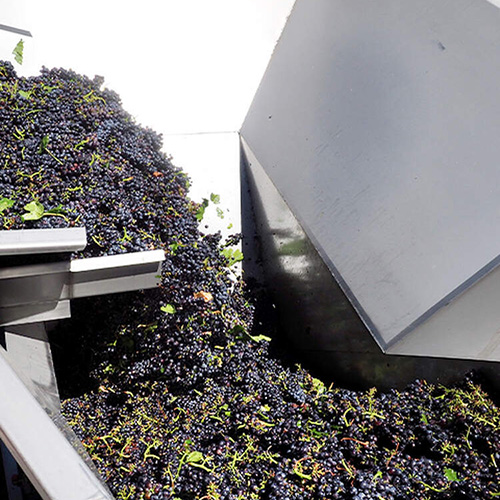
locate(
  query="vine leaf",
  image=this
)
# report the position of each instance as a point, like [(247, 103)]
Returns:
[(5, 203), (55, 211), (34, 211), (194, 457), (241, 334), (43, 144), (169, 309), (450, 474), (201, 209), (232, 256), (18, 52)]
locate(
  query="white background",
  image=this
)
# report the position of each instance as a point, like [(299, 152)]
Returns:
[(179, 65)]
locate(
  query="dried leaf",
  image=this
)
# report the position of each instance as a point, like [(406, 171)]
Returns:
[(206, 296)]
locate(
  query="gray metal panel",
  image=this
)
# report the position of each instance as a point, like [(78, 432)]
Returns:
[(378, 122), (318, 320), (33, 284), (34, 312), (32, 241), (37, 292), (48, 459), (27, 350)]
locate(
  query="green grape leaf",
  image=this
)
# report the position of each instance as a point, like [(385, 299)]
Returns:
[(34, 211), (18, 52), (194, 457), (215, 198), (242, 334), (450, 474), (174, 247), (237, 255), (43, 144), (318, 386), (232, 256), (238, 329), (201, 210), (5, 203), (169, 309)]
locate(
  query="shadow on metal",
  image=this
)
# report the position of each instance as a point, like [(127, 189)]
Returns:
[(318, 320)]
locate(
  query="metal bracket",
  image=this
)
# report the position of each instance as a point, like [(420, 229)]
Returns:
[(41, 292)]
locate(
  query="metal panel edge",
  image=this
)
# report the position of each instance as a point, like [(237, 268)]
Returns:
[(31, 241), (337, 355), (48, 459), (468, 326)]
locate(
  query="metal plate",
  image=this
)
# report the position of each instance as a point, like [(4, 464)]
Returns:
[(378, 122), (35, 241), (48, 459)]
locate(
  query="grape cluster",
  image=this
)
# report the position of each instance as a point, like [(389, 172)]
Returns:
[(175, 392)]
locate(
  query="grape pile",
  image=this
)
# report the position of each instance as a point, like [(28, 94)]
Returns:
[(71, 156), (175, 392)]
